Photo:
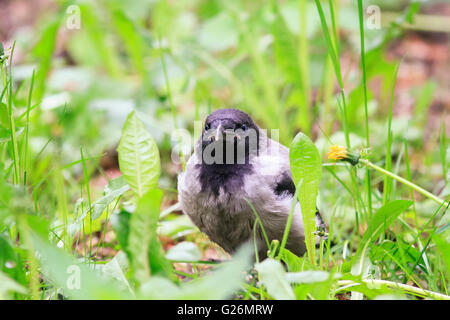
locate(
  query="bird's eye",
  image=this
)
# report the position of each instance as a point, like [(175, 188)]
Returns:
[(244, 127), (207, 127)]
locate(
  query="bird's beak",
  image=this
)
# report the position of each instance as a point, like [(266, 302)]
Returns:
[(218, 132), (221, 133)]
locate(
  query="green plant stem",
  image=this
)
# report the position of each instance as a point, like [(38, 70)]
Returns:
[(86, 182), (27, 128), (34, 283), (366, 113), (405, 182), (409, 289), (303, 55), (330, 46), (289, 224), (208, 262), (363, 67), (258, 221), (7, 82), (387, 189), (328, 87)]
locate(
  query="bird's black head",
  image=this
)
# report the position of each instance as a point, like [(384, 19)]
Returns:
[(229, 137), (229, 140), (230, 119)]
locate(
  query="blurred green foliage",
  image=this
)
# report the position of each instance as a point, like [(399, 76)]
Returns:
[(268, 58)]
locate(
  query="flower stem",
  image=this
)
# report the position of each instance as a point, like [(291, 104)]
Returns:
[(409, 289), (406, 182)]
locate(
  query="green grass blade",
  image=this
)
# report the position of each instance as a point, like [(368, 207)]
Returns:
[(44, 51), (363, 68), (88, 190), (387, 190), (443, 149), (8, 84), (330, 46), (366, 113), (27, 126), (304, 52)]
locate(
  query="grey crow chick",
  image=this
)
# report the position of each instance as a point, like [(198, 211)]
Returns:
[(234, 160)]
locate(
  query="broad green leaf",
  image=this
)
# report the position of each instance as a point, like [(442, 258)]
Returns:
[(159, 288), (114, 189), (116, 269), (115, 184), (176, 226), (77, 279), (184, 251), (309, 276), (273, 276), (224, 281), (138, 156), (220, 284), (306, 166), (159, 265), (10, 263), (8, 286), (292, 262), (313, 283), (120, 222), (142, 232)]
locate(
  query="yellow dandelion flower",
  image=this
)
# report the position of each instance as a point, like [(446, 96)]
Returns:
[(337, 152), (341, 153)]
